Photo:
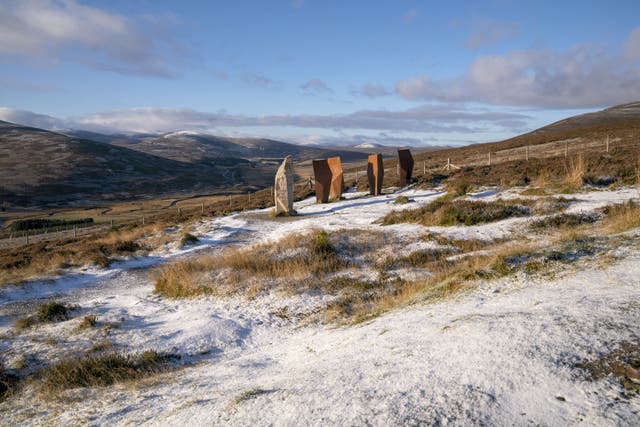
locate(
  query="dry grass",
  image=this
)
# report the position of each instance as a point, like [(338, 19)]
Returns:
[(99, 371), (575, 174), (534, 191), (622, 217), (295, 258), (543, 180), (46, 258)]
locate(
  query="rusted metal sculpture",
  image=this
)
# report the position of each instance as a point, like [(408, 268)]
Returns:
[(375, 174), (283, 188), (337, 178), (322, 174), (405, 159)]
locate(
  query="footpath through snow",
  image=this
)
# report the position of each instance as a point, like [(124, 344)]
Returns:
[(504, 353)]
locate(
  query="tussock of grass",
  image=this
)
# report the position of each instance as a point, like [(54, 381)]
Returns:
[(453, 212), (188, 239), (622, 217), (102, 370), (458, 187), (49, 312), (401, 200), (574, 177), (88, 321)]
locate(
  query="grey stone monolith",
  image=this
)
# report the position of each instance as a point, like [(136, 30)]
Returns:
[(283, 188)]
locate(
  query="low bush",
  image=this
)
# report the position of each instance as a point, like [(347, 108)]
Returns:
[(565, 220), (453, 212)]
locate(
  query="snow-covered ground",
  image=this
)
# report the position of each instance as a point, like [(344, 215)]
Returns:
[(503, 353)]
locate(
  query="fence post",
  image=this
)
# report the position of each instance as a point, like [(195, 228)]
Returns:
[(526, 153), (398, 169), (142, 219), (229, 200), (111, 223), (75, 232), (607, 143), (202, 205), (566, 149), (424, 167)]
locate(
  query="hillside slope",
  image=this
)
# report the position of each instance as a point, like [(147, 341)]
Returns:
[(38, 166)]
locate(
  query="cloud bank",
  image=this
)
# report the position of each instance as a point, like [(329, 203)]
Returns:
[(65, 30), (585, 76), (426, 118)]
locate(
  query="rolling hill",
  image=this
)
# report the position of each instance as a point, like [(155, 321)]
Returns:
[(39, 167)]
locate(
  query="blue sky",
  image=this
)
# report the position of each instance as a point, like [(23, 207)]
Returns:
[(310, 71)]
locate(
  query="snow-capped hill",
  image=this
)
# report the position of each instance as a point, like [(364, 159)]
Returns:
[(367, 145), (181, 133)]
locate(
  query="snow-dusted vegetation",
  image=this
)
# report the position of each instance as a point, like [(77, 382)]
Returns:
[(381, 310)]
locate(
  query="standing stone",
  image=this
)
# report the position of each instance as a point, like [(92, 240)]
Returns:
[(375, 174), (337, 178), (283, 189), (405, 159), (322, 174)]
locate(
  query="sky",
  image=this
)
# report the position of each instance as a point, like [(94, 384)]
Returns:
[(316, 72)]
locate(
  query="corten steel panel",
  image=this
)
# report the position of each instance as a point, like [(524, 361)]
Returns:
[(406, 166), (337, 178), (322, 175), (375, 174)]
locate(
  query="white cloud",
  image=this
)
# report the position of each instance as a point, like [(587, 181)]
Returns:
[(67, 30), (257, 79), (427, 118), (585, 76), (485, 32), (316, 86), (411, 15), (632, 46), (371, 90)]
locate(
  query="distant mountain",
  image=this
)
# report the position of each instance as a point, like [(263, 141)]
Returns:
[(39, 167), (188, 146)]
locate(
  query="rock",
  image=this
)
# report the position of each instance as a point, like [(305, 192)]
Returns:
[(405, 159), (375, 174), (283, 189)]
